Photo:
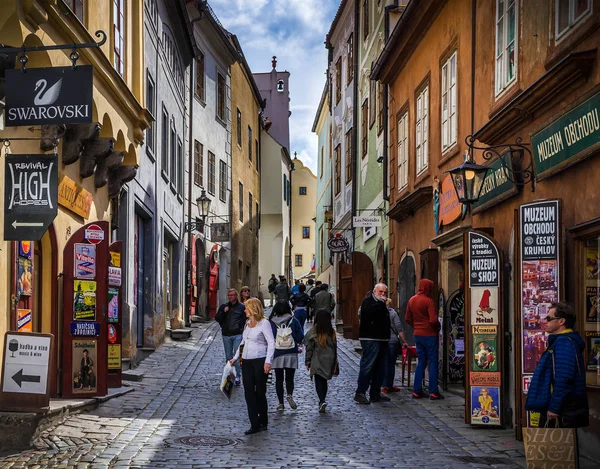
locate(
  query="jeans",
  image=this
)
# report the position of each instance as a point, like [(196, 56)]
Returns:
[(289, 382), (427, 351), (321, 387), (300, 314), (255, 391), (372, 364), (231, 344), (390, 365)]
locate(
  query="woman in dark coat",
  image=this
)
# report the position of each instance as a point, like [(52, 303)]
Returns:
[(321, 354)]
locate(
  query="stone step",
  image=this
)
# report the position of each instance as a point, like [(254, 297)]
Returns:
[(181, 334), (133, 375)]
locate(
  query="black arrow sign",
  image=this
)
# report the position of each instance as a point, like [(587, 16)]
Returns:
[(19, 378)]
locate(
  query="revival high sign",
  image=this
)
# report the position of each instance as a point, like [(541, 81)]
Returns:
[(30, 195), (57, 95)]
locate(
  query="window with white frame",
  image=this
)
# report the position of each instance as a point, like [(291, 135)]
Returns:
[(506, 43), (569, 13), (403, 151), (449, 90), (422, 130), (119, 36)]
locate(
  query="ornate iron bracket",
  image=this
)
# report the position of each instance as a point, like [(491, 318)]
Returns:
[(516, 152), (194, 226), (73, 56)]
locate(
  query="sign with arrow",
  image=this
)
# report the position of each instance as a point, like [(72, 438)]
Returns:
[(30, 195), (26, 363)]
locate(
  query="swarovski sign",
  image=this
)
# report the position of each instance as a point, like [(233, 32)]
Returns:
[(58, 95)]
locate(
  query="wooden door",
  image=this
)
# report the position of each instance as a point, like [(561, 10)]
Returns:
[(344, 299), (407, 279), (356, 281)]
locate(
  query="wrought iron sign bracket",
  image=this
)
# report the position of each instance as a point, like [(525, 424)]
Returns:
[(73, 56), (378, 210), (194, 226)]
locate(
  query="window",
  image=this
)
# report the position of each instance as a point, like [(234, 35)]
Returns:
[(449, 122), (284, 188), (322, 162), (372, 91), (221, 97), (222, 181), (249, 143), (364, 127), (306, 232), (350, 63), (250, 211), (422, 130), (211, 173), (76, 7), (257, 155), (302, 190), (338, 80), (200, 77), (365, 19), (338, 168), (298, 260), (403, 151), (198, 163), (241, 201), (179, 167), (173, 58), (289, 192), (151, 106), (164, 157), (119, 36), (257, 219), (239, 127), (380, 98), (153, 11), (506, 25), (569, 13), (349, 167), (173, 154)]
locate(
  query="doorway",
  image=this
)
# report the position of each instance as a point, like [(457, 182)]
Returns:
[(407, 279)]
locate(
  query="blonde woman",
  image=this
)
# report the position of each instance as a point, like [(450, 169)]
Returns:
[(258, 348)]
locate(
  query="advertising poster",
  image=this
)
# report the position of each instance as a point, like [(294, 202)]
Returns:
[(485, 405), (592, 263), (114, 357), (24, 320), (24, 277), (84, 300), (85, 261), (485, 356), (487, 378), (592, 295), (484, 262), (115, 259), (84, 366), (25, 249), (484, 306), (593, 346), (114, 276), (113, 304)]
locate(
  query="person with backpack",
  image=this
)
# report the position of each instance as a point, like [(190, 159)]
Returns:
[(271, 286), (288, 334), (321, 354), (283, 290), (301, 302), (396, 334)]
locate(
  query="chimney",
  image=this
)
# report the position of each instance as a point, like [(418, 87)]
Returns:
[(274, 62)]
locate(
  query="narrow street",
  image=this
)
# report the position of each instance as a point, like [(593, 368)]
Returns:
[(177, 417)]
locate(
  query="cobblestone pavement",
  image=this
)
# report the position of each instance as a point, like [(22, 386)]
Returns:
[(178, 418)]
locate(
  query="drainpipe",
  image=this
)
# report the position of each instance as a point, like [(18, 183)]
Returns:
[(189, 217), (355, 118)]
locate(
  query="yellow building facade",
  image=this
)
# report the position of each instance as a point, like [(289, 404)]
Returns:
[(304, 200), (118, 90)]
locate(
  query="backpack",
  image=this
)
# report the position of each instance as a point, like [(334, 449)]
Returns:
[(284, 339)]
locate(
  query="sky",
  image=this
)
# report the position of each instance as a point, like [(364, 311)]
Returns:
[(294, 31)]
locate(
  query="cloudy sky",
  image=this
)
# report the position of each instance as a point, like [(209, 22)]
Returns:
[(294, 31)]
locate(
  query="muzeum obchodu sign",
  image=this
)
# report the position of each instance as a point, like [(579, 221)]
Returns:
[(47, 96)]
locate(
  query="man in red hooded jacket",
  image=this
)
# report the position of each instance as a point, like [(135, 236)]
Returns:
[(422, 316)]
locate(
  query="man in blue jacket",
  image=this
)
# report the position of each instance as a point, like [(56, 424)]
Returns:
[(557, 388)]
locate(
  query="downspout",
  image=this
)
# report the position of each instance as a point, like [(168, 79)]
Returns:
[(190, 166), (355, 117)]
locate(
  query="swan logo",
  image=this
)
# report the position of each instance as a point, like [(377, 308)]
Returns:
[(37, 97)]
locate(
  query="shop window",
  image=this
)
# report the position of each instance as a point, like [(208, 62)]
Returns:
[(569, 13), (449, 106), (422, 130), (506, 39), (402, 151)]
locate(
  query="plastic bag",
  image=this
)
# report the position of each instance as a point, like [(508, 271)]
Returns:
[(227, 380)]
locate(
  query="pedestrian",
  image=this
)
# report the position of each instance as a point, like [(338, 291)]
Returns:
[(282, 290), (321, 354), (231, 316), (310, 286), (285, 359), (258, 348), (271, 287), (421, 314), (374, 335), (301, 302), (324, 299), (316, 289), (557, 389), (244, 294), (396, 334), (295, 288)]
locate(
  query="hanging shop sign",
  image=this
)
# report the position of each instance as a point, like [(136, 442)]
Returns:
[(48, 96), (26, 364), (30, 195), (450, 208), (496, 186), (219, 232), (85, 329), (73, 197), (570, 138), (366, 222), (338, 244), (85, 261)]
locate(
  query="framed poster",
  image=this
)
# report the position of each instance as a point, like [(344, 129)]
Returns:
[(113, 305), (114, 356), (485, 405), (24, 277), (84, 300), (85, 261), (24, 320), (593, 350), (485, 352), (84, 365), (484, 306), (592, 306)]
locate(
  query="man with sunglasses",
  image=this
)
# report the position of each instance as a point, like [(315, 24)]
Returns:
[(232, 318), (557, 389)]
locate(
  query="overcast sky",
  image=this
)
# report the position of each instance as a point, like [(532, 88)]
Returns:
[(294, 31)]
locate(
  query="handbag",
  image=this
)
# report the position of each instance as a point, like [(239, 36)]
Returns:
[(550, 447), (336, 364)]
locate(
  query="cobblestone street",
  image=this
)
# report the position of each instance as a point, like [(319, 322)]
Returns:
[(177, 417)]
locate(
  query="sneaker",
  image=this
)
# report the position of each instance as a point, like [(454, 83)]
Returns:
[(322, 407), (394, 389), (291, 402), (435, 396), (361, 398), (237, 381), (385, 390), (280, 407), (380, 398), (418, 395)]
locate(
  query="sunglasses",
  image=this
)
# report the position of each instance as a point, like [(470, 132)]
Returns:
[(550, 318), (245, 291)]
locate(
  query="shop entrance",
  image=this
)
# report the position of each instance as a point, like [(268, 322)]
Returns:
[(407, 278), (355, 281)]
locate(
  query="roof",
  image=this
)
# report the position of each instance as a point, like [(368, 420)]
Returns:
[(336, 18), (246, 68), (205, 12), (320, 108)]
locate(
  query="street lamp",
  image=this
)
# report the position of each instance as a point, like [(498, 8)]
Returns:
[(468, 180), (203, 203)]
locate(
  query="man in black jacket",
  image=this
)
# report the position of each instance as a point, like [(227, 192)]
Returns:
[(232, 318), (374, 335)]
